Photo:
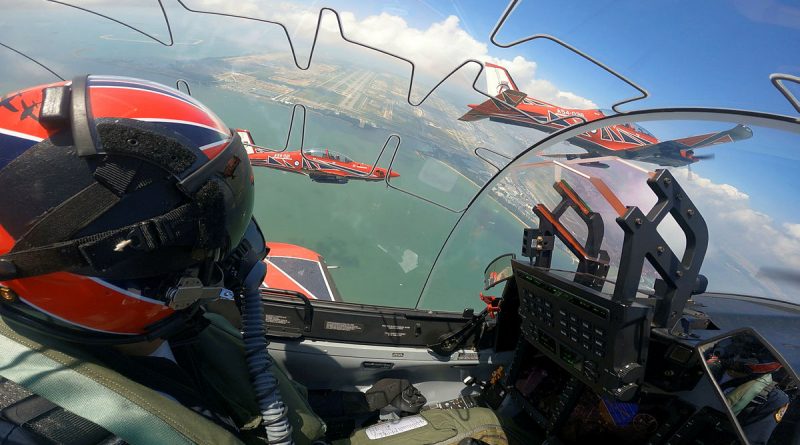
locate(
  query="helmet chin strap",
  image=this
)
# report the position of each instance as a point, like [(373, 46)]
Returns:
[(190, 289)]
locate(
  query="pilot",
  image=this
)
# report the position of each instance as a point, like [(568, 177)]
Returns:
[(125, 218), (746, 378)]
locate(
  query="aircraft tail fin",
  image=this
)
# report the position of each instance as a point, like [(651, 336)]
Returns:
[(498, 79), (247, 140), (502, 86), (737, 133)]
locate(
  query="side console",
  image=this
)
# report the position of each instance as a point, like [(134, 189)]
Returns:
[(602, 339), (601, 342)]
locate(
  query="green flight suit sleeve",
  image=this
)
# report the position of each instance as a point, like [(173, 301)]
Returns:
[(739, 398)]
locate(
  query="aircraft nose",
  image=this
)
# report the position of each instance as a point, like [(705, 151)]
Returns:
[(393, 174)]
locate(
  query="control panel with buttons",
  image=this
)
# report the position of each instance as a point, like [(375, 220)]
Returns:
[(600, 341)]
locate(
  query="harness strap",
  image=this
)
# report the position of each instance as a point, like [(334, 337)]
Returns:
[(36, 415), (134, 413), (66, 219), (100, 251)]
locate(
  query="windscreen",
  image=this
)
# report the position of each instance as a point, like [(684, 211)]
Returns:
[(431, 101), (742, 186)]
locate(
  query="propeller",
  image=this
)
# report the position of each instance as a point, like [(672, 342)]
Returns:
[(786, 275), (708, 157)]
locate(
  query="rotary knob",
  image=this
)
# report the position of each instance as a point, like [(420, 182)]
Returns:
[(625, 393), (630, 373)]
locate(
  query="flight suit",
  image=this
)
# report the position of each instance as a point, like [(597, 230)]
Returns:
[(759, 405), (66, 375), (759, 422), (70, 376)]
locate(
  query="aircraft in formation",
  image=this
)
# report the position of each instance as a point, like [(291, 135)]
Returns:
[(320, 165), (629, 140)]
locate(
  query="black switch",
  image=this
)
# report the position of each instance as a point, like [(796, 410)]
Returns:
[(55, 109)]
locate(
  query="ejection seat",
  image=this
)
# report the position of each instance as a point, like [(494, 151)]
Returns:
[(434, 426)]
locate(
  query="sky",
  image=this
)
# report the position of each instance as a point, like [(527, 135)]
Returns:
[(684, 53)]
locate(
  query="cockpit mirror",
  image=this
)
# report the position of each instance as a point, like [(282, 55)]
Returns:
[(497, 271), (756, 385)]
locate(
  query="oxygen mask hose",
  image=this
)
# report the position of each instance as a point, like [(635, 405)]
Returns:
[(273, 411)]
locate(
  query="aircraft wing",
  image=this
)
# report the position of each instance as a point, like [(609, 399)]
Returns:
[(333, 172), (498, 105), (676, 152)]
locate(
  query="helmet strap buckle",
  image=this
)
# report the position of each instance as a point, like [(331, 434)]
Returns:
[(190, 289)]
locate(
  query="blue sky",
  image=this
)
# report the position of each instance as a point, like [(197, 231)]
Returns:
[(685, 53), (700, 53)]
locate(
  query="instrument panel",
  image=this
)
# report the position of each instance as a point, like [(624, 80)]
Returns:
[(601, 342)]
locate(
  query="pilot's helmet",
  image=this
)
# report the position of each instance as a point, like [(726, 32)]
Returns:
[(119, 196)]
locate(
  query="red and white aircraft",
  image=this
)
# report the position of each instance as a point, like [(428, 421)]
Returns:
[(320, 165), (296, 268), (629, 141)]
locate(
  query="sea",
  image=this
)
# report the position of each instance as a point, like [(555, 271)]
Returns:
[(382, 242), (408, 244)]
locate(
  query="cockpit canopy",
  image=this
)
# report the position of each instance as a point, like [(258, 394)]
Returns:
[(327, 154)]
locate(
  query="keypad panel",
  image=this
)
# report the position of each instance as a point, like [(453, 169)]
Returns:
[(601, 342)]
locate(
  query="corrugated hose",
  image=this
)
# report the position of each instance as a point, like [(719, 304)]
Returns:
[(273, 411)]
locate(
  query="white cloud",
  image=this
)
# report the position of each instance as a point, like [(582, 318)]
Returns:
[(792, 229), (436, 50), (444, 44), (724, 191), (546, 91), (751, 238)]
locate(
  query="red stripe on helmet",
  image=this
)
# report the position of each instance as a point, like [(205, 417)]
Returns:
[(6, 241), (86, 303), (14, 121), (763, 368), (213, 150), (143, 104)]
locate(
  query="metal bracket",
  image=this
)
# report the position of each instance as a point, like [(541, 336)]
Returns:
[(593, 263), (642, 241)]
